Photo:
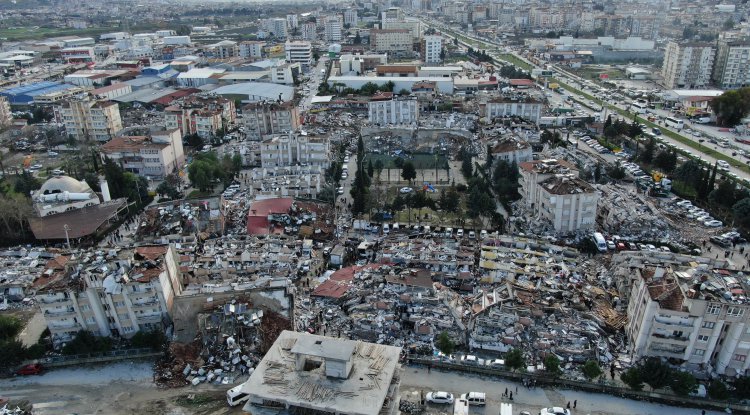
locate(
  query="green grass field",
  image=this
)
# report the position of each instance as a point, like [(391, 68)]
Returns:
[(420, 161)]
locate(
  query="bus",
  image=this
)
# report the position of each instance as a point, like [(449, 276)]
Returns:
[(601, 244), (673, 122), (639, 107)]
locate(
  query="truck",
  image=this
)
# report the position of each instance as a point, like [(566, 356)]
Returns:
[(601, 243)]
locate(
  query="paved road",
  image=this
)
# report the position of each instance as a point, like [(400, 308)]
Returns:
[(416, 379)]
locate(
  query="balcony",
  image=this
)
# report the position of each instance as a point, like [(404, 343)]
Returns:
[(53, 300), (63, 324), (674, 322), (60, 311), (671, 337)]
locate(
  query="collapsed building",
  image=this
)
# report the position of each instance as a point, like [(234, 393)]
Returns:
[(308, 373), (109, 293)]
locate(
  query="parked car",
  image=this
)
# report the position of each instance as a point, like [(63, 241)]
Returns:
[(32, 369), (439, 397), (405, 190), (713, 223)]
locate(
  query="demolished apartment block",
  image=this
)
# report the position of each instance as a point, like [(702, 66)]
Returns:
[(292, 181), (110, 293), (181, 221), (308, 373)]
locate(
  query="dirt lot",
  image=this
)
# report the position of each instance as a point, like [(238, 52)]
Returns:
[(128, 390)]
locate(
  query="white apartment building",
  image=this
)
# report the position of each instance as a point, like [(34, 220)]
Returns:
[(391, 40), (276, 26), (309, 30), (87, 119), (224, 49), (732, 69), (687, 65), (520, 106), (291, 149), (251, 49), (298, 51), (533, 172), (157, 155), (413, 26), (432, 47), (110, 296), (350, 17), (202, 115), (567, 203), (695, 314), (292, 21), (512, 150), (285, 73), (333, 28), (268, 118), (389, 110), (393, 14)]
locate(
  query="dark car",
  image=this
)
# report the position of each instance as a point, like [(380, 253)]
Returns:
[(32, 369)]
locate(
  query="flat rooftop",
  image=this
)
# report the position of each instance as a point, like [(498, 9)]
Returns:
[(362, 393)]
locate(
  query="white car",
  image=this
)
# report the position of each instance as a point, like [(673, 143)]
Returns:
[(713, 223), (439, 397), (405, 190), (555, 410)]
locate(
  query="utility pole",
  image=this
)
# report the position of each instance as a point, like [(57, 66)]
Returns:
[(67, 239)]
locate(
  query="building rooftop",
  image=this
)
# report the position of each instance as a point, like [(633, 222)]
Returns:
[(279, 379), (566, 185)]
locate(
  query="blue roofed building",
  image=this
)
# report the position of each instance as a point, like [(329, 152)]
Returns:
[(26, 94)]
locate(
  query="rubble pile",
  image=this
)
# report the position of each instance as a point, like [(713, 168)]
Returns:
[(180, 218), (173, 369), (625, 211)]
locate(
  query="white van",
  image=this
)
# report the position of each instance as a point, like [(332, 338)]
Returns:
[(475, 398), (386, 229), (235, 396)]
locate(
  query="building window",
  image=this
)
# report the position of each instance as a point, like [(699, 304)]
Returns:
[(702, 338), (735, 311), (739, 357), (708, 324), (714, 309), (699, 352)]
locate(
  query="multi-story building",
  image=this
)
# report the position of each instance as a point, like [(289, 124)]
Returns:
[(687, 65), (264, 118), (292, 149), (391, 40), (414, 27), (350, 17), (510, 149), (693, 314), (286, 73), (276, 27), (224, 49), (533, 172), (385, 109), (566, 202), (309, 30), (111, 295), (298, 51), (157, 155), (86, 119), (732, 69), (393, 14), (432, 48), (251, 49), (292, 21), (333, 27), (202, 115), (326, 365), (522, 106)]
